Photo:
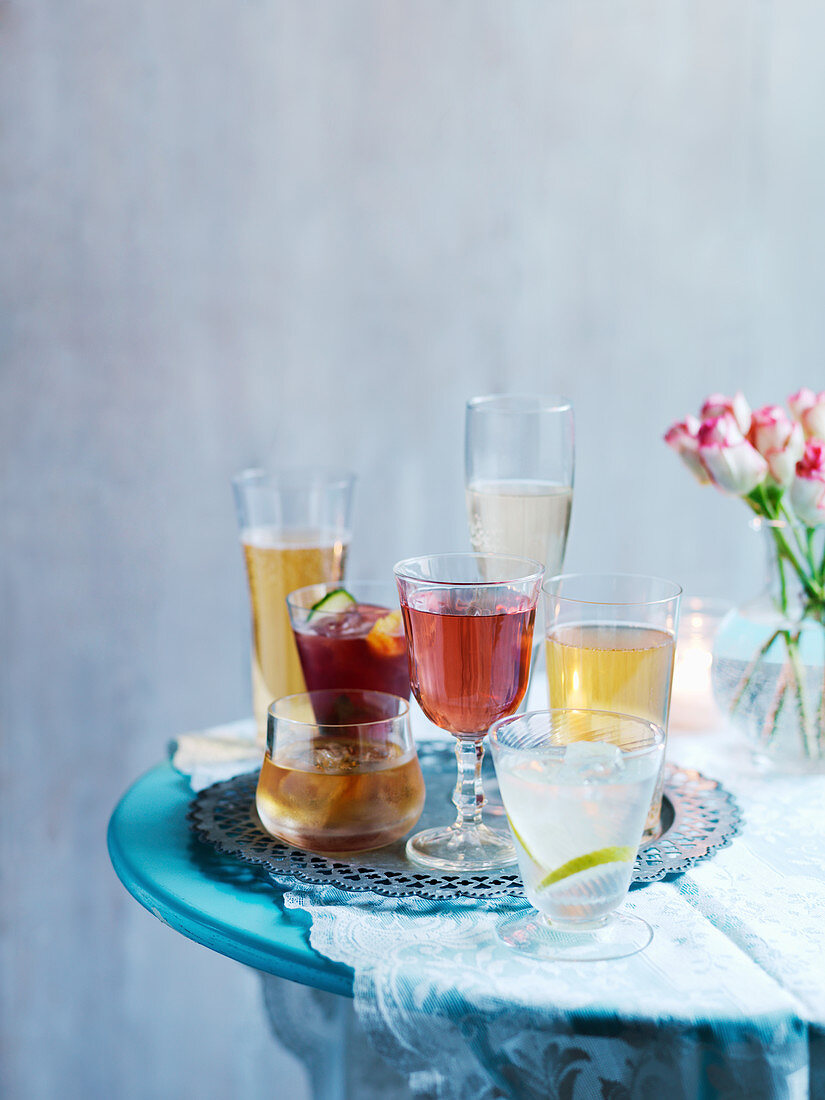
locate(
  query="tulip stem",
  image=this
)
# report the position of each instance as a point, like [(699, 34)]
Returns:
[(750, 671), (798, 671)]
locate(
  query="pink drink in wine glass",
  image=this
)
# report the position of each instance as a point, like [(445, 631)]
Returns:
[(471, 663), (469, 624)]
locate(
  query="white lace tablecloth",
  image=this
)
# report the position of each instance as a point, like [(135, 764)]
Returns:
[(727, 1001)]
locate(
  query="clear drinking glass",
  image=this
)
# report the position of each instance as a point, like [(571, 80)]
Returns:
[(351, 637), (519, 460), (469, 624), (610, 641), (295, 530), (340, 772), (576, 786)]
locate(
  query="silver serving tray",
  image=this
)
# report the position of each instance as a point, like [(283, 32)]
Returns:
[(698, 817)]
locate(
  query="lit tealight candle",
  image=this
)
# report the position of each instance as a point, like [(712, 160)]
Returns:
[(691, 704)]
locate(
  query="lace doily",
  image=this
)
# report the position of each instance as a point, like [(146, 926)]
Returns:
[(698, 816)]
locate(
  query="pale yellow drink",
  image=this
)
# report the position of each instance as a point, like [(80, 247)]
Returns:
[(613, 666), (278, 562), (527, 518)]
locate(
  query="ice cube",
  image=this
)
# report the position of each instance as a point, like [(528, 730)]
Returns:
[(335, 757), (591, 761)]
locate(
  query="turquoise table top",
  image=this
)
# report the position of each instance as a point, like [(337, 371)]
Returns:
[(212, 899)]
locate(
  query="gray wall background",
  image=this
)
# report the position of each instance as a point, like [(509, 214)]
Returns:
[(296, 231)]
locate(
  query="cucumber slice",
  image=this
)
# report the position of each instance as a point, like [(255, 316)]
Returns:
[(337, 600)]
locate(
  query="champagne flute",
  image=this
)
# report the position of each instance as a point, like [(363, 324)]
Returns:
[(469, 625), (519, 461)]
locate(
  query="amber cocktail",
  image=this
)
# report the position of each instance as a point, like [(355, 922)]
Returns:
[(294, 527), (340, 772)]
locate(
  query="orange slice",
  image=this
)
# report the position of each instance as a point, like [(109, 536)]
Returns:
[(386, 639)]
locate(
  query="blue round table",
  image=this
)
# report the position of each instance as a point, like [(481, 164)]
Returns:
[(212, 899)]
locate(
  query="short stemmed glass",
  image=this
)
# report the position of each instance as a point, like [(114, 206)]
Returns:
[(576, 786), (469, 624)]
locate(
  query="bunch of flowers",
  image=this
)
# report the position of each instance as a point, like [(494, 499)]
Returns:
[(774, 460)]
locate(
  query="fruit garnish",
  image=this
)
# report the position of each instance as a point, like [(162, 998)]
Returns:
[(582, 863), (520, 839), (335, 601), (387, 635)]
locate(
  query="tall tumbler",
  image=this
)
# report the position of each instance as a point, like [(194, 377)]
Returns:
[(295, 530), (610, 641)]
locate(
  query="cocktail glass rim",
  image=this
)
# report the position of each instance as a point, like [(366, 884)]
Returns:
[(535, 569), (401, 712), (297, 475), (347, 585), (630, 752), (674, 590), (521, 402)]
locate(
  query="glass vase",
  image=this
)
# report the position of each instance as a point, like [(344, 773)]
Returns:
[(768, 668)]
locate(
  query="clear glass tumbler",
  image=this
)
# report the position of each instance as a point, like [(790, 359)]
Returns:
[(340, 773), (351, 637), (576, 786), (610, 640)]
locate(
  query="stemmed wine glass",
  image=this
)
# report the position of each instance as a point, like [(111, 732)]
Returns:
[(577, 786), (469, 624)]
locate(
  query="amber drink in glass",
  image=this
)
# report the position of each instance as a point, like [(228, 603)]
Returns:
[(295, 530), (610, 643), (340, 772)]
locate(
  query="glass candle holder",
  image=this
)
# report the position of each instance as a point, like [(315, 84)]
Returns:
[(692, 706)]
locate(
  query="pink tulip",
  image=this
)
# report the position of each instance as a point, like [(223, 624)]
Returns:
[(682, 437), (733, 464), (779, 440), (808, 489), (809, 409), (717, 404)]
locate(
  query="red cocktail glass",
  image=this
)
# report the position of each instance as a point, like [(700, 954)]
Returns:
[(469, 624), (350, 637)]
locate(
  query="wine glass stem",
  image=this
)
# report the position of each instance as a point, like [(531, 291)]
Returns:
[(468, 795)]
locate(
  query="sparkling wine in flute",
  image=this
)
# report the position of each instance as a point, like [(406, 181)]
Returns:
[(526, 517), (277, 562)]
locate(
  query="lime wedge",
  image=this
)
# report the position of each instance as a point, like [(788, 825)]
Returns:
[(581, 863), (520, 839), (335, 601)]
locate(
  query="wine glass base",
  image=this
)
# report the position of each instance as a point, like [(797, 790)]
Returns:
[(620, 935), (464, 850)]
